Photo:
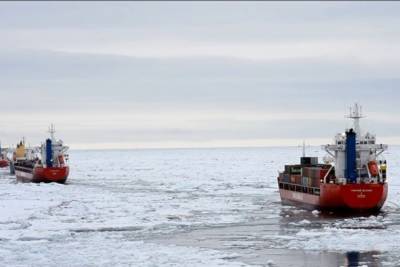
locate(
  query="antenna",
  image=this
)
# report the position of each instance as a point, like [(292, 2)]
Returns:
[(303, 148), (356, 115), (52, 131)]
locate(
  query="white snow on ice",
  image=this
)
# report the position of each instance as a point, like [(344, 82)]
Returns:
[(117, 202)]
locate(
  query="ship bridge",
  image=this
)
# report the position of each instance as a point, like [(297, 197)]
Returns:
[(366, 148)]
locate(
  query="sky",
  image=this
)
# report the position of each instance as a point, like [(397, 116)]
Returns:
[(197, 74)]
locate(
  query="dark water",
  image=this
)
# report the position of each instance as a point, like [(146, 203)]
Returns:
[(253, 243)]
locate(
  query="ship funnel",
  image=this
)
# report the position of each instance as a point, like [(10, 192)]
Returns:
[(351, 171), (49, 153)]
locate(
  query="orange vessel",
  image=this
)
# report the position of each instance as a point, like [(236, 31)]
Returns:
[(352, 178)]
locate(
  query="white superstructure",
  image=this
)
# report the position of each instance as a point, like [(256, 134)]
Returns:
[(58, 150), (366, 149)]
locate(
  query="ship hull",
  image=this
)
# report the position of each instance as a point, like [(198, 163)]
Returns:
[(349, 197), (41, 175), (3, 163)]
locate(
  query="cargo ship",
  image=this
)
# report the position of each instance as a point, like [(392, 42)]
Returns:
[(47, 163), (352, 177)]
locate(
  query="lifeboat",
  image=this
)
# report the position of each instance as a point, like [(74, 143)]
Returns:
[(373, 168)]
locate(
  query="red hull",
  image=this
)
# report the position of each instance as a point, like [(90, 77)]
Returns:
[(3, 163), (40, 174), (356, 197)]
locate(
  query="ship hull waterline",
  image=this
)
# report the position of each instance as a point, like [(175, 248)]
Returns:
[(362, 198), (42, 175)]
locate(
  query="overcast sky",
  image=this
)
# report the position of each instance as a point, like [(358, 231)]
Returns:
[(199, 74)]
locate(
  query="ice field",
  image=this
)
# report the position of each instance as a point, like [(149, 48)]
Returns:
[(186, 207)]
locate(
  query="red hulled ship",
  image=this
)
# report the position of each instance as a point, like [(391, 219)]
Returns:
[(47, 163), (3, 161), (352, 177), (3, 158)]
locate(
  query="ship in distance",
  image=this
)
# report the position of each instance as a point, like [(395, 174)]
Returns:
[(46, 163)]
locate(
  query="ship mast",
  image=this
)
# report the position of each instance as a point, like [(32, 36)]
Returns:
[(52, 131), (356, 115)]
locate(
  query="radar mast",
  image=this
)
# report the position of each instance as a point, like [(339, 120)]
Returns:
[(356, 115)]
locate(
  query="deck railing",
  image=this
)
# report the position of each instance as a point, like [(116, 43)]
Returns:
[(299, 188)]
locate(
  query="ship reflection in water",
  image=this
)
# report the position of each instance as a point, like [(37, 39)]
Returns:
[(357, 259), (352, 259), (293, 239)]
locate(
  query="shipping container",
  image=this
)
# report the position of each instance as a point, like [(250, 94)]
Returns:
[(315, 172), (316, 182), (296, 179), (295, 170), (309, 160), (286, 178), (314, 160), (306, 171), (305, 160), (287, 168)]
